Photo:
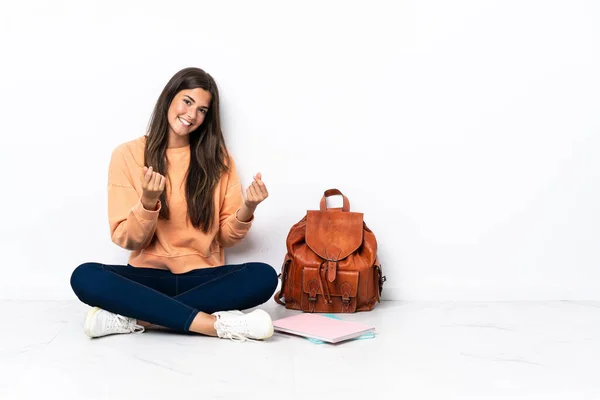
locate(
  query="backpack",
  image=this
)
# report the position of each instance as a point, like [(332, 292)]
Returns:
[(331, 265)]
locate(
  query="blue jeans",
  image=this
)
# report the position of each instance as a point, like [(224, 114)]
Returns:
[(173, 300)]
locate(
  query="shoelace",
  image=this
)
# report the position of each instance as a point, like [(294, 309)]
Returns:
[(231, 328), (121, 321)]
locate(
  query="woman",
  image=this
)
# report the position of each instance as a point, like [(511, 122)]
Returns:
[(175, 201)]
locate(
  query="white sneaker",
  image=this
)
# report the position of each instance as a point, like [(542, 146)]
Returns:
[(238, 326), (99, 322), (230, 312)]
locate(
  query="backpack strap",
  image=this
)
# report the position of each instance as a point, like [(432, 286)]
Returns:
[(333, 192), (278, 297), (382, 278), (283, 276)]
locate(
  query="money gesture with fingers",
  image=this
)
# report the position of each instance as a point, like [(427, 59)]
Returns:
[(256, 192), (153, 185)]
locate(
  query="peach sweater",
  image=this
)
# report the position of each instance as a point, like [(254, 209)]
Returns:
[(172, 244)]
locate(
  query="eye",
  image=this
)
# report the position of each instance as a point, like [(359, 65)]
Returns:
[(186, 101), (202, 111)]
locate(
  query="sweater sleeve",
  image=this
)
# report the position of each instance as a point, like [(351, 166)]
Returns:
[(231, 229), (131, 225)]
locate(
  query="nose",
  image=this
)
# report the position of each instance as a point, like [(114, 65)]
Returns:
[(190, 116)]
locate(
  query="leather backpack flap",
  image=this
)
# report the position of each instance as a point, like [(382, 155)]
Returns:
[(342, 291), (333, 236)]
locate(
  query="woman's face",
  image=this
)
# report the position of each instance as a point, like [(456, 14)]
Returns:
[(187, 111)]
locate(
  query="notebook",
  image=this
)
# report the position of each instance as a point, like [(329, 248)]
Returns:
[(323, 328), (368, 335)]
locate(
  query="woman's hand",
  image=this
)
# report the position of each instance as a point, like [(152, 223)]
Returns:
[(255, 194), (153, 185)]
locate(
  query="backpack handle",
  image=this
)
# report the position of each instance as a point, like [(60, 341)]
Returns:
[(333, 192)]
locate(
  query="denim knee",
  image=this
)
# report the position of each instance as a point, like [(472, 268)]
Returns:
[(81, 279), (266, 278)]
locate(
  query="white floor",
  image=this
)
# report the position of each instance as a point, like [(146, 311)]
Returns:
[(422, 351)]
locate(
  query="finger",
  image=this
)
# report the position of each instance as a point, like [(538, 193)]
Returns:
[(163, 181), (262, 186), (259, 188), (251, 193), (264, 191), (148, 175), (156, 181), (259, 176)]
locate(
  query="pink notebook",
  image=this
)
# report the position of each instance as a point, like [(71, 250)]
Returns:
[(322, 328)]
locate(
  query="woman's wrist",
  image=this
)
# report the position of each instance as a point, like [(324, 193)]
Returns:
[(245, 213), (149, 204)]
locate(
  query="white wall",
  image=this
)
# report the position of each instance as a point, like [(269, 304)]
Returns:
[(466, 131)]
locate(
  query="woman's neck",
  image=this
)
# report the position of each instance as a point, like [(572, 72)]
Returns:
[(176, 141)]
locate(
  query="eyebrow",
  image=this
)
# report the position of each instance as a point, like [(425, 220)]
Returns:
[(194, 101)]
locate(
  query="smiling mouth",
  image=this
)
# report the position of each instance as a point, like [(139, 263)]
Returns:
[(184, 122)]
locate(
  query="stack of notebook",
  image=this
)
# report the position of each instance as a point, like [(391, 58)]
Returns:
[(320, 327)]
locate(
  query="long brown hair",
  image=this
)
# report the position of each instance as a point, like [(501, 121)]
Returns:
[(208, 153)]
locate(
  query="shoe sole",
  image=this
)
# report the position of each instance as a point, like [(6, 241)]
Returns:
[(87, 326)]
